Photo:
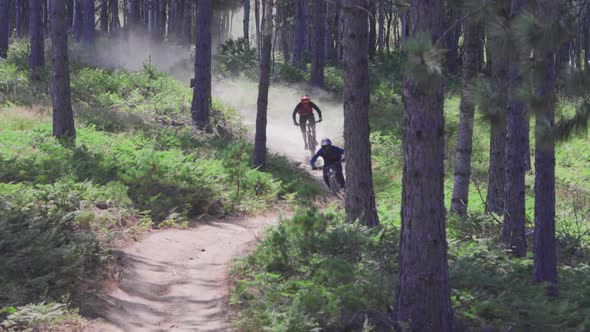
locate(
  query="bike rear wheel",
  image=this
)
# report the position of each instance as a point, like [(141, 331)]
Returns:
[(334, 185)]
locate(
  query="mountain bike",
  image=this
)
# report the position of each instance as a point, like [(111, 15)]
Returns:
[(334, 185)]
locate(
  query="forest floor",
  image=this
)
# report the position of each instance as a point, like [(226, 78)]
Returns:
[(176, 280)]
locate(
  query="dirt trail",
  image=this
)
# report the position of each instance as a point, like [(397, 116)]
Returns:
[(176, 280)]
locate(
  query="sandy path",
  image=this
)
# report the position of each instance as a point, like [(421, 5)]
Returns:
[(176, 280)]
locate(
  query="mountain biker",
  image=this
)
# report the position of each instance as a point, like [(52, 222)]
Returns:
[(305, 110), (332, 156)]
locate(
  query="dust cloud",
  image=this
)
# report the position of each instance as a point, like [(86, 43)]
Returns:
[(132, 52)]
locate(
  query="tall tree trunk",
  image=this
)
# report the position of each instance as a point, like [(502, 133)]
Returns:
[(299, 33), (471, 46), (284, 31), (77, 20), (257, 23), (513, 230), (381, 36), (319, 35), (37, 56), (452, 39), (372, 28), (259, 155), (545, 257), (4, 27), (134, 14), (115, 21), (339, 32), (22, 18), (88, 21), (247, 20), (104, 18), (201, 104), (188, 23), (360, 197), (63, 117), (423, 296)]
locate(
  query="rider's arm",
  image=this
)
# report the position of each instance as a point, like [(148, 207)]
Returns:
[(295, 113), (315, 158), (317, 109)]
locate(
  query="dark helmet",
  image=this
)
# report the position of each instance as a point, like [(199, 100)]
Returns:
[(326, 142)]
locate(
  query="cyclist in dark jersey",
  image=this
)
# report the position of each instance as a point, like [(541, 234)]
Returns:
[(305, 110), (332, 156)]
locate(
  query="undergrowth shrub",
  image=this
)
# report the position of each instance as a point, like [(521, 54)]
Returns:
[(237, 57), (316, 271)]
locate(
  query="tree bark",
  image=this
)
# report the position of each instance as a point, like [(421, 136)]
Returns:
[(259, 155), (201, 104), (300, 33), (423, 296), (188, 23), (77, 20), (104, 18), (22, 18), (381, 36), (88, 21), (360, 197), (37, 56), (115, 22), (134, 14), (319, 35), (471, 45), (284, 31), (372, 28), (513, 230), (545, 257), (452, 39), (4, 27), (63, 117), (247, 20)]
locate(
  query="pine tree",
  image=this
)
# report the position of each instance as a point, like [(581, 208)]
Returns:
[(201, 104), (259, 156), (360, 197), (319, 35), (4, 27), (423, 296), (37, 56), (63, 117)]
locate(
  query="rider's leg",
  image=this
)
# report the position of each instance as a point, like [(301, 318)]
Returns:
[(312, 125), (340, 176), (302, 126), (325, 173)]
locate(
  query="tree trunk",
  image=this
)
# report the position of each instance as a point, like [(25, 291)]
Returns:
[(381, 36), (372, 28), (299, 33), (545, 258), (513, 230), (134, 15), (247, 20), (77, 20), (4, 27), (452, 40), (201, 104), (339, 32), (37, 57), (188, 23), (471, 44), (283, 23), (88, 21), (104, 18), (259, 156), (257, 23), (22, 18), (115, 22), (319, 35), (423, 296), (360, 198), (63, 117)]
